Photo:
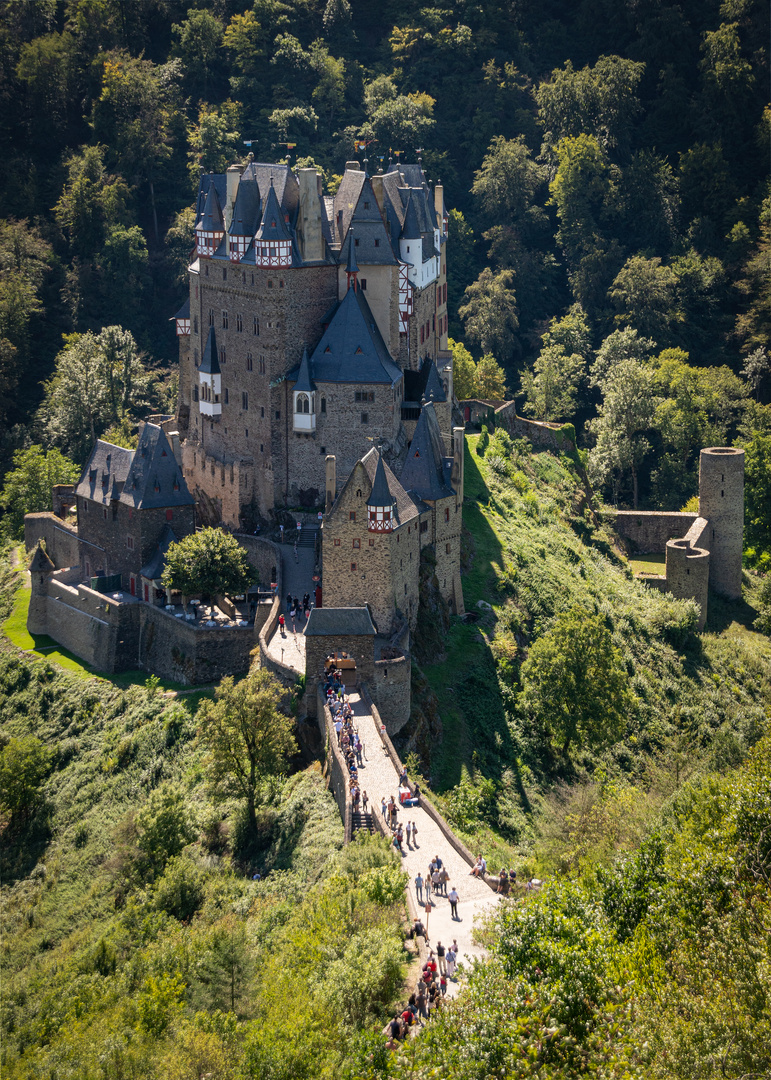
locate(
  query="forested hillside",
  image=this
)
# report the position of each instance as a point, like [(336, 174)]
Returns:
[(605, 164)]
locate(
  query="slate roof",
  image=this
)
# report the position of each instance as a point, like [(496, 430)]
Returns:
[(211, 219), (219, 182), (154, 568), (352, 349), (273, 228), (154, 479), (284, 183), (210, 361), (424, 383), (304, 380), (246, 209), (426, 471), (184, 311), (345, 202), (341, 621), (373, 246), (105, 472), (411, 229), (380, 494), (406, 506)]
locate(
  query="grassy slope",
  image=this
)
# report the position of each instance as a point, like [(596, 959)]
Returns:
[(535, 553)]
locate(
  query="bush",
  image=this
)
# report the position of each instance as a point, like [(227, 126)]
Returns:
[(180, 889)]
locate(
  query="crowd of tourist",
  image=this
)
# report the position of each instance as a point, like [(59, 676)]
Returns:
[(430, 990)]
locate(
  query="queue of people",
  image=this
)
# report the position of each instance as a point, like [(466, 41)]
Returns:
[(429, 993)]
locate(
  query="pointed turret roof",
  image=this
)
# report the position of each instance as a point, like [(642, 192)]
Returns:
[(380, 494), (211, 219), (426, 471), (210, 362), (304, 380), (155, 479), (273, 228), (351, 266), (411, 228), (433, 390)]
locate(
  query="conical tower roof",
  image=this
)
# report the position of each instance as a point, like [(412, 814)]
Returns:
[(380, 494), (304, 380), (210, 363), (211, 219), (273, 228)]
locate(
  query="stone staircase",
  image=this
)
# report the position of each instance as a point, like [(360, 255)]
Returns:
[(308, 536), (361, 822)]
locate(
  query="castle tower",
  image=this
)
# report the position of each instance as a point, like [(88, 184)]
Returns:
[(721, 502), (40, 569)]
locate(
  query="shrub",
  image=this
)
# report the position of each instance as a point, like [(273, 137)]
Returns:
[(180, 889)]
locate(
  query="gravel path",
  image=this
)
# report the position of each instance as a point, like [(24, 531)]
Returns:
[(297, 579), (379, 778)]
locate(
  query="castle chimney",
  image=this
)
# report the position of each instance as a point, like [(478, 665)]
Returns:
[(353, 165), (309, 222), (331, 482), (377, 187), (233, 177)]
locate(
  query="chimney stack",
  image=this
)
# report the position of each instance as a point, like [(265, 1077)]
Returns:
[(331, 483), (309, 222)]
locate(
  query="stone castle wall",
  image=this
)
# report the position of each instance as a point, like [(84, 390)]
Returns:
[(649, 530), (391, 688), (61, 539), (338, 775)]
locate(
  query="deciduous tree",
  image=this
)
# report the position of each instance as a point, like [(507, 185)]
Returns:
[(247, 735), (27, 488), (208, 563), (575, 683), (24, 765)]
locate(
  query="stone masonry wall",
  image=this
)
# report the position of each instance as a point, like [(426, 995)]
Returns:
[(649, 530), (61, 539), (391, 688), (360, 646), (174, 649), (339, 781)]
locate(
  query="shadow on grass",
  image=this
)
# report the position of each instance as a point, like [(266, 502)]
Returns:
[(723, 613), (23, 846)]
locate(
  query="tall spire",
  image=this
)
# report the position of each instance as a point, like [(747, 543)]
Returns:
[(351, 267)]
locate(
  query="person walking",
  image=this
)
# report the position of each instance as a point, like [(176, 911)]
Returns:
[(453, 898), (451, 962), (428, 886), (281, 623), (414, 835), (440, 958), (436, 882), (364, 800), (419, 887), (384, 807)]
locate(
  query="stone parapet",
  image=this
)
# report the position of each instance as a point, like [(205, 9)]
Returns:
[(339, 778)]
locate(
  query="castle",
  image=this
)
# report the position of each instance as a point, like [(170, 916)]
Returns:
[(314, 377)]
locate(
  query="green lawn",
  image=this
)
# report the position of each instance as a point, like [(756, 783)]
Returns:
[(648, 564), (43, 647)]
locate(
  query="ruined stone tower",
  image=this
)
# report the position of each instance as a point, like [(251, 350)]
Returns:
[(721, 502)]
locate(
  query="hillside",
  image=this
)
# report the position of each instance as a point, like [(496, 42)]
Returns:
[(534, 548)]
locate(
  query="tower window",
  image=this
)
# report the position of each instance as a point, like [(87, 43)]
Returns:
[(337, 543), (227, 396), (302, 404), (224, 320), (248, 361), (353, 567), (356, 543), (256, 326), (224, 275), (195, 324), (211, 316), (352, 515), (365, 418), (239, 322), (323, 404), (244, 401), (446, 513)]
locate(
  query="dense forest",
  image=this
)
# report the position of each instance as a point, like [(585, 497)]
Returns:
[(606, 167)]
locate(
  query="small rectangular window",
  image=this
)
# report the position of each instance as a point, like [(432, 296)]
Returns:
[(227, 396), (224, 274), (255, 325), (244, 401), (424, 526), (371, 542), (239, 322), (352, 515), (364, 418), (363, 283), (169, 513), (278, 414), (130, 543), (447, 549), (337, 543), (224, 320), (262, 412), (104, 512), (353, 566), (357, 543), (248, 361)]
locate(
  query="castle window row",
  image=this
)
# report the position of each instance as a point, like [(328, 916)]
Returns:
[(364, 395)]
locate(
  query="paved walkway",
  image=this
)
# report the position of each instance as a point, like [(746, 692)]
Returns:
[(379, 779), (297, 579)]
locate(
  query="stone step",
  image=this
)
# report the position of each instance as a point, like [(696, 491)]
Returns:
[(361, 823)]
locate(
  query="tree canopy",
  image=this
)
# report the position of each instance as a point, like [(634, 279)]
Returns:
[(208, 563)]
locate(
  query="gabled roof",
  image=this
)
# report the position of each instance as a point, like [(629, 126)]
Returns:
[(380, 494), (426, 471), (284, 182), (373, 246), (411, 229), (154, 479), (210, 362), (246, 209), (304, 380), (105, 472), (211, 220), (154, 568), (352, 349), (345, 202), (342, 621), (273, 228)]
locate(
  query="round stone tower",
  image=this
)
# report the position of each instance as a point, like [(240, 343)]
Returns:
[(687, 574), (721, 502)]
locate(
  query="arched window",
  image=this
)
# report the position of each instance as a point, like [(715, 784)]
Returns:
[(323, 404), (302, 405)]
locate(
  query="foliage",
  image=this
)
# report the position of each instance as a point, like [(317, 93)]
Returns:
[(24, 765), (757, 498), (574, 682), (28, 485), (99, 380), (490, 312), (551, 388), (207, 563), (163, 827), (247, 736)]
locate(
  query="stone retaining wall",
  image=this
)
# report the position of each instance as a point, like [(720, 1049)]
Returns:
[(649, 530), (392, 686), (339, 781), (283, 672)]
